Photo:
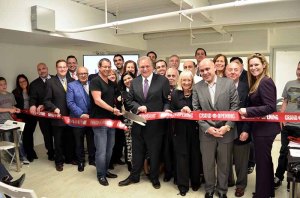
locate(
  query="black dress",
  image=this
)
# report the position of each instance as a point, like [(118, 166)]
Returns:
[(186, 145)]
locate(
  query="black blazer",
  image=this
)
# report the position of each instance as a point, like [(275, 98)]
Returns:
[(261, 103), (56, 98), (156, 101), (243, 91), (244, 77), (157, 97), (37, 92)]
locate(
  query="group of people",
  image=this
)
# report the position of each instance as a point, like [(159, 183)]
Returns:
[(190, 151)]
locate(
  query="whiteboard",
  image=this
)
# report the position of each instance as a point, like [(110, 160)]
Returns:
[(91, 61)]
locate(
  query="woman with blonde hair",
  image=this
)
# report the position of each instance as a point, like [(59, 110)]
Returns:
[(186, 136), (262, 101)]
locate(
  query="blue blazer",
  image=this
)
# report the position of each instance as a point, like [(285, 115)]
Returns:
[(78, 101)]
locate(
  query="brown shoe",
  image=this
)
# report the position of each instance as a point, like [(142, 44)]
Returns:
[(239, 192), (59, 167)]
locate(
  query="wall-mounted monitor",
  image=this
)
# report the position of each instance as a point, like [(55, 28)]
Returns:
[(91, 61)]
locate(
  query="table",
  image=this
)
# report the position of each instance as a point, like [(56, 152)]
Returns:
[(14, 130)]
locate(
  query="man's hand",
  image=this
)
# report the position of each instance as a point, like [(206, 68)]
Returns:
[(32, 110), (214, 132), (224, 129), (142, 109), (244, 136), (117, 112), (40, 108), (57, 111), (168, 111), (85, 116), (243, 112), (186, 109)]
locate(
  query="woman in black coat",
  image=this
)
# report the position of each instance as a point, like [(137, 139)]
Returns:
[(262, 101), (186, 137), (21, 93)]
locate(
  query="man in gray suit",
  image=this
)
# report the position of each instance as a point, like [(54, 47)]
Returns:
[(216, 137)]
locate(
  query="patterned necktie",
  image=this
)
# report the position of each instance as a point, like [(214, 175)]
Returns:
[(85, 87), (74, 76), (146, 87), (64, 83)]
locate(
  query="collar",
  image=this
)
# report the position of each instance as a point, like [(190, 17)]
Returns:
[(213, 82), (149, 78)]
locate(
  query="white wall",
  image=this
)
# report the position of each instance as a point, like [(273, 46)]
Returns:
[(18, 59), (286, 64)]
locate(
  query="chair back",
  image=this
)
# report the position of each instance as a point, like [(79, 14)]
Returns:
[(16, 192)]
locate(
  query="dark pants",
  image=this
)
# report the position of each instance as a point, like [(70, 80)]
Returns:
[(251, 162), (4, 173), (27, 137), (118, 147), (148, 138), (282, 159), (79, 143), (64, 147), (264, 186), (168, 152), (46, 129)]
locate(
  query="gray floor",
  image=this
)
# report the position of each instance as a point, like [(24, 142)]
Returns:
[(47, 182)]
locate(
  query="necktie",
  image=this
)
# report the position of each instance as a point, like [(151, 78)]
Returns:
[(64, 83), (74, 76), (146, 87), (86, 89)]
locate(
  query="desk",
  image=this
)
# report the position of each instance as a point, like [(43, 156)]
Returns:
[(13, 128)]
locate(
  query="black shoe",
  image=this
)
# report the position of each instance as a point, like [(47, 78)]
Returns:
[(127, 182), (167, 177), (92, 163), (155, 183), (196, 188), (111, 175), (80, 167), (182, 192), (222, 195), (250, 169), (18, 182), (209, 195), (59, 167), (277, 182), (30, 159), (103, 181)]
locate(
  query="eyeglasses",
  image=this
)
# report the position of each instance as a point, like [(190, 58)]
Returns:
[(169, 76), (82, 74)]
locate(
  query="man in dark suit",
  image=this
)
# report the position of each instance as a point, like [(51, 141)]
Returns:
[(148, 93), (241, 146), (216, 137), (55, 101), (243, 75), (72, 67), (37, 92), (78, 102)]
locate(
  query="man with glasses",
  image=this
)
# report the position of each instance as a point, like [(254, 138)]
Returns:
[(55, 101), (78, 102), (104, 92)]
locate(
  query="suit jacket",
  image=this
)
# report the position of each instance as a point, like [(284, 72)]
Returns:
[(37, 92), (226, 99), (156, 101), (261, 103), (56, 98), (78, 101), (157, 97), (243, 90), (244, 77)]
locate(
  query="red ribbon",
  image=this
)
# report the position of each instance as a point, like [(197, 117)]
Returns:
[(222, 116), (91, 122)]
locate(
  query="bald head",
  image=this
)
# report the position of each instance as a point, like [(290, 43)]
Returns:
[(207, 70), (172, 75)]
